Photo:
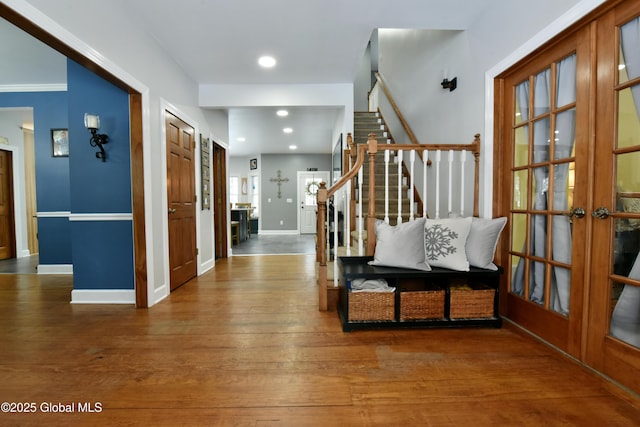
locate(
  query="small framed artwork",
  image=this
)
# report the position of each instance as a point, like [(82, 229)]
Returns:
[(253, 164), (60, 142)]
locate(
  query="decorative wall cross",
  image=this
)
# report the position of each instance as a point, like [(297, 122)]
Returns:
[(279, 180)]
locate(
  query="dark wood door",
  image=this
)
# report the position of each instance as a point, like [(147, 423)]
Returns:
[(181, 196), (220, 200), (7, 232)]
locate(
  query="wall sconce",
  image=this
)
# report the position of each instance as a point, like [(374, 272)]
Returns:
[(92, 122), (450, 84)]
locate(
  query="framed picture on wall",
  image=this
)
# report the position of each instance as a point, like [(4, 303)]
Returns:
[(60, 142), (253, 164)]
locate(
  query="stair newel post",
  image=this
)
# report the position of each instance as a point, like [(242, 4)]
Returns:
[(351, 159), (476, 178), (371, 218), (321, 254)]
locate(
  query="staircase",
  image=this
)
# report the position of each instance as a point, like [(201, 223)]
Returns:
[(366, 123)]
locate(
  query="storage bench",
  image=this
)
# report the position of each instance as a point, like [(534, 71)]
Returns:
[(436, 298)]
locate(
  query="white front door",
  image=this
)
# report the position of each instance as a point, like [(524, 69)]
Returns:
[(308, 184)]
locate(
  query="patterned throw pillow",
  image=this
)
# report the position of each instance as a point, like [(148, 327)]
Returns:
[(444, 243)]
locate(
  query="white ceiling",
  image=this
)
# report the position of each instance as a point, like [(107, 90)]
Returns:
[(219, 41)]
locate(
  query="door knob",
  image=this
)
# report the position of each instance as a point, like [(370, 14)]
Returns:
[(172, 210), (577, 212), (601, 213)]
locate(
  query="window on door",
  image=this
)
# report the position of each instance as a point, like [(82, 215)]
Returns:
[(255, 194), (234, 189)]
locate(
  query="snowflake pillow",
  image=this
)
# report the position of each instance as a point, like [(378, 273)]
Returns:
[(444, 243)]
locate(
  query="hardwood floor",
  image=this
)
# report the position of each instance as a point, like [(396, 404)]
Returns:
[(245, 345)]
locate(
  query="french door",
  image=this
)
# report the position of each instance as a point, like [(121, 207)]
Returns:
[(569, 135), (613, 339)]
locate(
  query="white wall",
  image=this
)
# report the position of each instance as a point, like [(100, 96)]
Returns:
[(114, 42), (414, 62)]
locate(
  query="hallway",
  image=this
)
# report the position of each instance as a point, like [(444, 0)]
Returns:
[(265, 244)]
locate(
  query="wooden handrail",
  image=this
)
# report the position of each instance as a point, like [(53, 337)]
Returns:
[(372, 147), (404, 123)]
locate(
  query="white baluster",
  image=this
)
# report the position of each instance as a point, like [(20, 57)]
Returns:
[(425, 160), (347, 216), (360, 224), (438, 158), (463, 159), (399, 187), (450, 198), (386, 186), (336, 227), (412, 160)]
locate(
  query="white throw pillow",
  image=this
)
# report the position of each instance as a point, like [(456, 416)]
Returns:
[(482, 241), (400, 245), (444, 243)]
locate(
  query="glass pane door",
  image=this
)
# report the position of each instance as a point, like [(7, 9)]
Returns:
[(543, 211), (613, 343)]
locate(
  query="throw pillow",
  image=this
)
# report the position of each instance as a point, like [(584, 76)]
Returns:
[(400, 245), (444, 243), (482, 241)]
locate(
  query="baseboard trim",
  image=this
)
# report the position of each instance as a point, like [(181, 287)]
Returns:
[(279, 232), (103, 296), (159, 294), (55, 268)]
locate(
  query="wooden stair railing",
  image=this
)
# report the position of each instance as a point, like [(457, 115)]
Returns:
[(370, 149)]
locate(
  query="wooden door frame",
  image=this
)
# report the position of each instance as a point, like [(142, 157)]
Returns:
[(137, 100)]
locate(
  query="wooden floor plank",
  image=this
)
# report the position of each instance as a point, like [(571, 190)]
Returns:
[(244, 345)]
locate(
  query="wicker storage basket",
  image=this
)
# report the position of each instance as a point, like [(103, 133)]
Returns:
[(471, 301), (427, 304), (372, 306)]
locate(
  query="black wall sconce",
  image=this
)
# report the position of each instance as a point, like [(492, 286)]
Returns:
[(450, 84), (92, 122)]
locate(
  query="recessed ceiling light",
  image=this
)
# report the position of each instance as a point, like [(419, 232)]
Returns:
[(267, 61), (241, 139), (293, 147), (287, 130), (282, 113)]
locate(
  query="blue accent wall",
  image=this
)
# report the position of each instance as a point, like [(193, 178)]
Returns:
[(50, 111), (102, 250), (102, 254)]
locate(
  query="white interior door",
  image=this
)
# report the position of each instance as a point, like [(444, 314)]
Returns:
[(308, 184)]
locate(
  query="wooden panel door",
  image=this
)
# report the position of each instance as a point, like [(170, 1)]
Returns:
[(220, 200), (614, 310), (545, 153), (181, 195), (7, 230)]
